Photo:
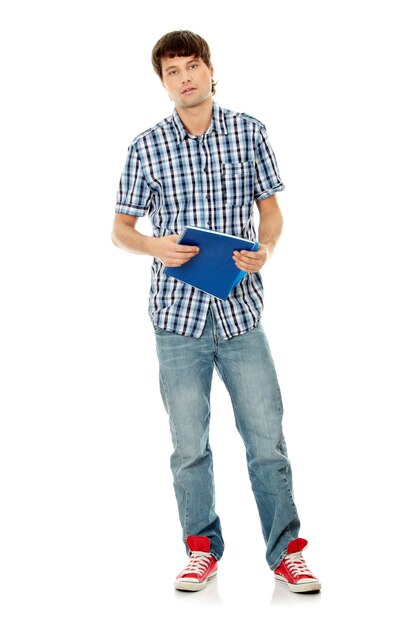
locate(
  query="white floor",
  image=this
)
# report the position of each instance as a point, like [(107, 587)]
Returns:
[(116, 592)]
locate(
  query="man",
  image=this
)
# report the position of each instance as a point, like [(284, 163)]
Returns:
[(206, 166)]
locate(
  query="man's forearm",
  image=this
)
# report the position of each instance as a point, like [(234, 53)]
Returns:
[(126, 236), (270, 227)]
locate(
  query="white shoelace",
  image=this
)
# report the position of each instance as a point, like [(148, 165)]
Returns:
[(297, 565), (198, 563)]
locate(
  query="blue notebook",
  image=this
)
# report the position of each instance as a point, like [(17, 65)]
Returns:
[(212, 270)]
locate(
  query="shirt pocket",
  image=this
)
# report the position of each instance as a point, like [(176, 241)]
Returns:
[(238, 183)]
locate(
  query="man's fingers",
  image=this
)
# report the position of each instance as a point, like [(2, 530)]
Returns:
[(180, 247), (183, 249), (180, 252), (248, 254), (180, 255), (248, 261), (178, 261), (254, 259)]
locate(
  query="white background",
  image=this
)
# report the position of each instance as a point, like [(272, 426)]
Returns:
[(89, 529)]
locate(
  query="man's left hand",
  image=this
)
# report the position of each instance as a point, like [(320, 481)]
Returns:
[(251, 261)]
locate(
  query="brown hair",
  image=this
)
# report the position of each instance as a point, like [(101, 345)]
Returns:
[(181, 43)]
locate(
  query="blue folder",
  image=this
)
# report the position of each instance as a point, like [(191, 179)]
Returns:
[(213, 269)]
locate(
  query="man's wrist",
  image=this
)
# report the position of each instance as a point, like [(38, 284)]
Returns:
[(149, 246), (268, 247)]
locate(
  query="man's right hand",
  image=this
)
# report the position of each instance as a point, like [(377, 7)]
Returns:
[(171, 253)]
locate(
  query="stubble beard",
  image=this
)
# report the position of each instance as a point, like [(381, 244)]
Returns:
[(193, 104)]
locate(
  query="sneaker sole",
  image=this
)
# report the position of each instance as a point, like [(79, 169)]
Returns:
[(301, 587), (184, 585)]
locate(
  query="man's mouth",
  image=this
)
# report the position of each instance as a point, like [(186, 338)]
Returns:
[(188, 89)]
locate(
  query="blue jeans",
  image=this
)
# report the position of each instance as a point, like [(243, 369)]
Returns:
[(245, 365)]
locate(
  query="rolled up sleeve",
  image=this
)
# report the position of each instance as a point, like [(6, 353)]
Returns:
[(267, 176), (134, 195)]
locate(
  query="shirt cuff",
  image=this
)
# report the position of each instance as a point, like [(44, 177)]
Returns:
[(128, 209), (269, 192)]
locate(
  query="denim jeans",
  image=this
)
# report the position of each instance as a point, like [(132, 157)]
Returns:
[(245, 365)]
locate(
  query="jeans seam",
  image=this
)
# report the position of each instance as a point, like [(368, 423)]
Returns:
[(224, 378), (279, 560), (283, 553), (178, 448), (216, 556)]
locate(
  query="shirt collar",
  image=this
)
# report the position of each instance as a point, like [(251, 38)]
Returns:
[(217, 124)]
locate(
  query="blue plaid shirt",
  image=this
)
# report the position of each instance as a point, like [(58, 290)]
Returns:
[(210, 181)]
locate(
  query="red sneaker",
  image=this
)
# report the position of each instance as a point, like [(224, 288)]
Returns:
[(294, 571), (200, 569)]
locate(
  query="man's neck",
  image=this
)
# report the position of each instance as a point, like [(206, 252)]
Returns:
[(196, 120)]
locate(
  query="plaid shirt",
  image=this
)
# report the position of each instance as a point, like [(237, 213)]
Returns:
[(209, 181)]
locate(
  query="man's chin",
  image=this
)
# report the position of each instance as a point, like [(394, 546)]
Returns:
[(190, 103)]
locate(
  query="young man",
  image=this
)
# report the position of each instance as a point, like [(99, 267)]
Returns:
[(206, 166)]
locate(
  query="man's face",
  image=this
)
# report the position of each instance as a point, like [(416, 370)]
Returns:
[(187, 80)]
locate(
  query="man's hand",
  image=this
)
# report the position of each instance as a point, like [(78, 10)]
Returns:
[(170, 252), (252, 261)]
